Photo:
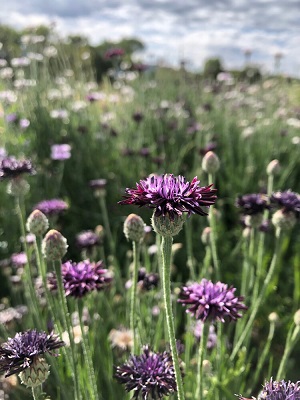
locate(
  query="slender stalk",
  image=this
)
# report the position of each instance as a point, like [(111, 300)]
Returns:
[(212, 224), (263, 356), (259, 299), (189, 247), (87, 353), (166, 248), (136, 252), (111, 241), (201, 356), (67, 323), (36, 391), (291, 340)]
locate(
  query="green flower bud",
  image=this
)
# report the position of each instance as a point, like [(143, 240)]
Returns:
[(37, 223), (18, 187), (166, 226), (134, 228), (54, 245), (210, 162), (273, 168), (254, 221), (205, 237), (36, 374), (284, 221)]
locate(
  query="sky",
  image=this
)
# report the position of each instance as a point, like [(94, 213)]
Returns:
[(172, 30)]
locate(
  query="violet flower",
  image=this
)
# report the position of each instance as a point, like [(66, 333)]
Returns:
[(282, 390), (87, 239), (150, 375), (211, 301), (82, 278), (12, 168), (288, 201), (252, 204), (51, 207), (60, 152), (171, 195), (20, 352)]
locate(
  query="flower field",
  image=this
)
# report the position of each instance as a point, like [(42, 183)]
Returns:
[(149, 232)]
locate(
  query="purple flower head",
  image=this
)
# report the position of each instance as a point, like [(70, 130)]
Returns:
[(11, 168), (113, 52), (147, 281), (12, 118), (87, 239), (24, 123), (18, 259), (51, 207), (171, 195), (83, 277), (252, 204), (282, 390), (150, 375), (20, 352), (60, 152), (211, 301), (288, 201)]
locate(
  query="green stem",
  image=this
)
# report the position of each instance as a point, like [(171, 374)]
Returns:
[(201, 356), (136, 252), (263, 356), (259, 299), (87, 353), (36, 391), (67, 323), (112, 247), (166, 248), (189, 247), (291, 340), (212, 224)]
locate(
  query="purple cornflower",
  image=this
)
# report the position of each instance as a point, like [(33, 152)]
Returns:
[(87, 239), (83, 277), (24, 123), (21, 352), (12, 118), (171, 195), (288, 201), (11, 168), (282, 390), (113, 52), (18, 259), (253, 203), (211, 301), (60, 152), (51, 207), (150, 375)]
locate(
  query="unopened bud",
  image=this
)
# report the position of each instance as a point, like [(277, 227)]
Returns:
[(165, 226), (273, 318), (54, 245), (273, 167), (206, 366), (210, 162), (18, 187), (297, 318), (254, 221), (205, 237), (284, 220), (36, 374), (37, 223), (134, 228)]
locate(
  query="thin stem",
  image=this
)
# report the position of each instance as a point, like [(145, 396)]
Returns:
[(212, 224), (112, 247), (136, 252), (66, 322), (189, 247), (87, 353), (259, 299), (201, 356), (36, 391), (166, 247), (291, 340)]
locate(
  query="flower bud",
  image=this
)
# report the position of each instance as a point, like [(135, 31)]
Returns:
[(54, 245), (284, 220), (273, 318), (297, 318), (37, 223), (18, 187), (254, 221), (273, 167), (205, 237), (165, 226), (210, 162), (134, 228), (36, 374)]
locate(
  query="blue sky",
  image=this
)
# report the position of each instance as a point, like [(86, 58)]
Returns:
[(190, 29)]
